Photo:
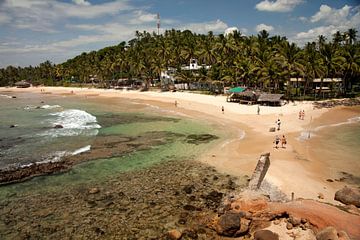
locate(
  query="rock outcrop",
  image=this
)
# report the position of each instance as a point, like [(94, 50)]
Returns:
[(260, 171), (348, 196)]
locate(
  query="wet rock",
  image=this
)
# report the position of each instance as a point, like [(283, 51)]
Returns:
[(328, 233), (93, 190), (189, 207), (228, 224), (188, 189), (265, 235), (99, 231), (189, 234), (200, 138), (348, 196), (213, 199), (174, 234)]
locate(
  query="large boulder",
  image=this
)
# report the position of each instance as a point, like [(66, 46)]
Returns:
[(348, 196), (265, 235), (328, 233), (229, 224)]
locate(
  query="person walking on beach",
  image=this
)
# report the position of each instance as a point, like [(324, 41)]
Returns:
[(176, 103), (258, 110), (303, 114), (283, 141), (222, 109), (276, 141), (300, 114), (278, 123)]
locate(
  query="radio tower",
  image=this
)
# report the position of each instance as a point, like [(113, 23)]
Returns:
[(158, 23)]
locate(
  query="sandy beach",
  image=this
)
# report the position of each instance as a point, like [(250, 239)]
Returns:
[(293, 169)]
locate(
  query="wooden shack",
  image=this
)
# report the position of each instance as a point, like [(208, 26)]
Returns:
[(22, 84), (269, 99)]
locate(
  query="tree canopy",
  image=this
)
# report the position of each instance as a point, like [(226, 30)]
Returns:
[(260, 61)]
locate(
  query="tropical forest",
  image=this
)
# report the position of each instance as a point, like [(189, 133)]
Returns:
[(259, 61)]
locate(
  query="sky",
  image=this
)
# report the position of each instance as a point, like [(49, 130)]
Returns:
[(33, 31)]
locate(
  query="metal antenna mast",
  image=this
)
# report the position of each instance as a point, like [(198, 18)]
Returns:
[(158, 23)]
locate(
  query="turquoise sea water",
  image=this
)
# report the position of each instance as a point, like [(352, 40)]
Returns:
[(341, 146), (84, 119)]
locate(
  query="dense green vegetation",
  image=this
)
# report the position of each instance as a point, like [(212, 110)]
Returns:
[(260, 61)]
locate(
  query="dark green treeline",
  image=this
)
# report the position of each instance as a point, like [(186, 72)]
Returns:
[(256, 61)]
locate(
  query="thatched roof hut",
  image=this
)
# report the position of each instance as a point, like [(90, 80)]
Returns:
[(22, 84), (271, 99)]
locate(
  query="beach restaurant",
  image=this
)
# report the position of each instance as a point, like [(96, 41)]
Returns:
[(22, 84)]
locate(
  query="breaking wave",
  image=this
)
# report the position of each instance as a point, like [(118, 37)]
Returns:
[(72, 122)]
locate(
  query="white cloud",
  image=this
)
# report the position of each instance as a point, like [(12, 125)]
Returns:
[(330, 15), (40, 15), (277, 5), (230, 30), (82, 2), (203, 28), (142, 17), (333, 20), (263, 26)]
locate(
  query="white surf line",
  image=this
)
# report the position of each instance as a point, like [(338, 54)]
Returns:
[(242, 135), (304, 135), (81, 150)]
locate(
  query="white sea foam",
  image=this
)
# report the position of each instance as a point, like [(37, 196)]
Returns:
[(74, 122), (81, 150), (50, 106), (53, 157), (5, 96), (242, 135)]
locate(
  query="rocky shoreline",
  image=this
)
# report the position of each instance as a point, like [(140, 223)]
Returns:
[(104, 146), (171, 200), (337, 102), (144, 204)]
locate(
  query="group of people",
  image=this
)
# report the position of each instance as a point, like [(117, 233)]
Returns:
[(301, 115), (280, 140)]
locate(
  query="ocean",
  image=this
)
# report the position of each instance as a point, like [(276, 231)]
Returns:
[(117, 135)]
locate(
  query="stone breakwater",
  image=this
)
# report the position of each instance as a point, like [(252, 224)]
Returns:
[(143, 204)]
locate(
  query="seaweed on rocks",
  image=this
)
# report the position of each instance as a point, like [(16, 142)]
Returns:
[(141, 204), (107, 120), (200, 138)]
